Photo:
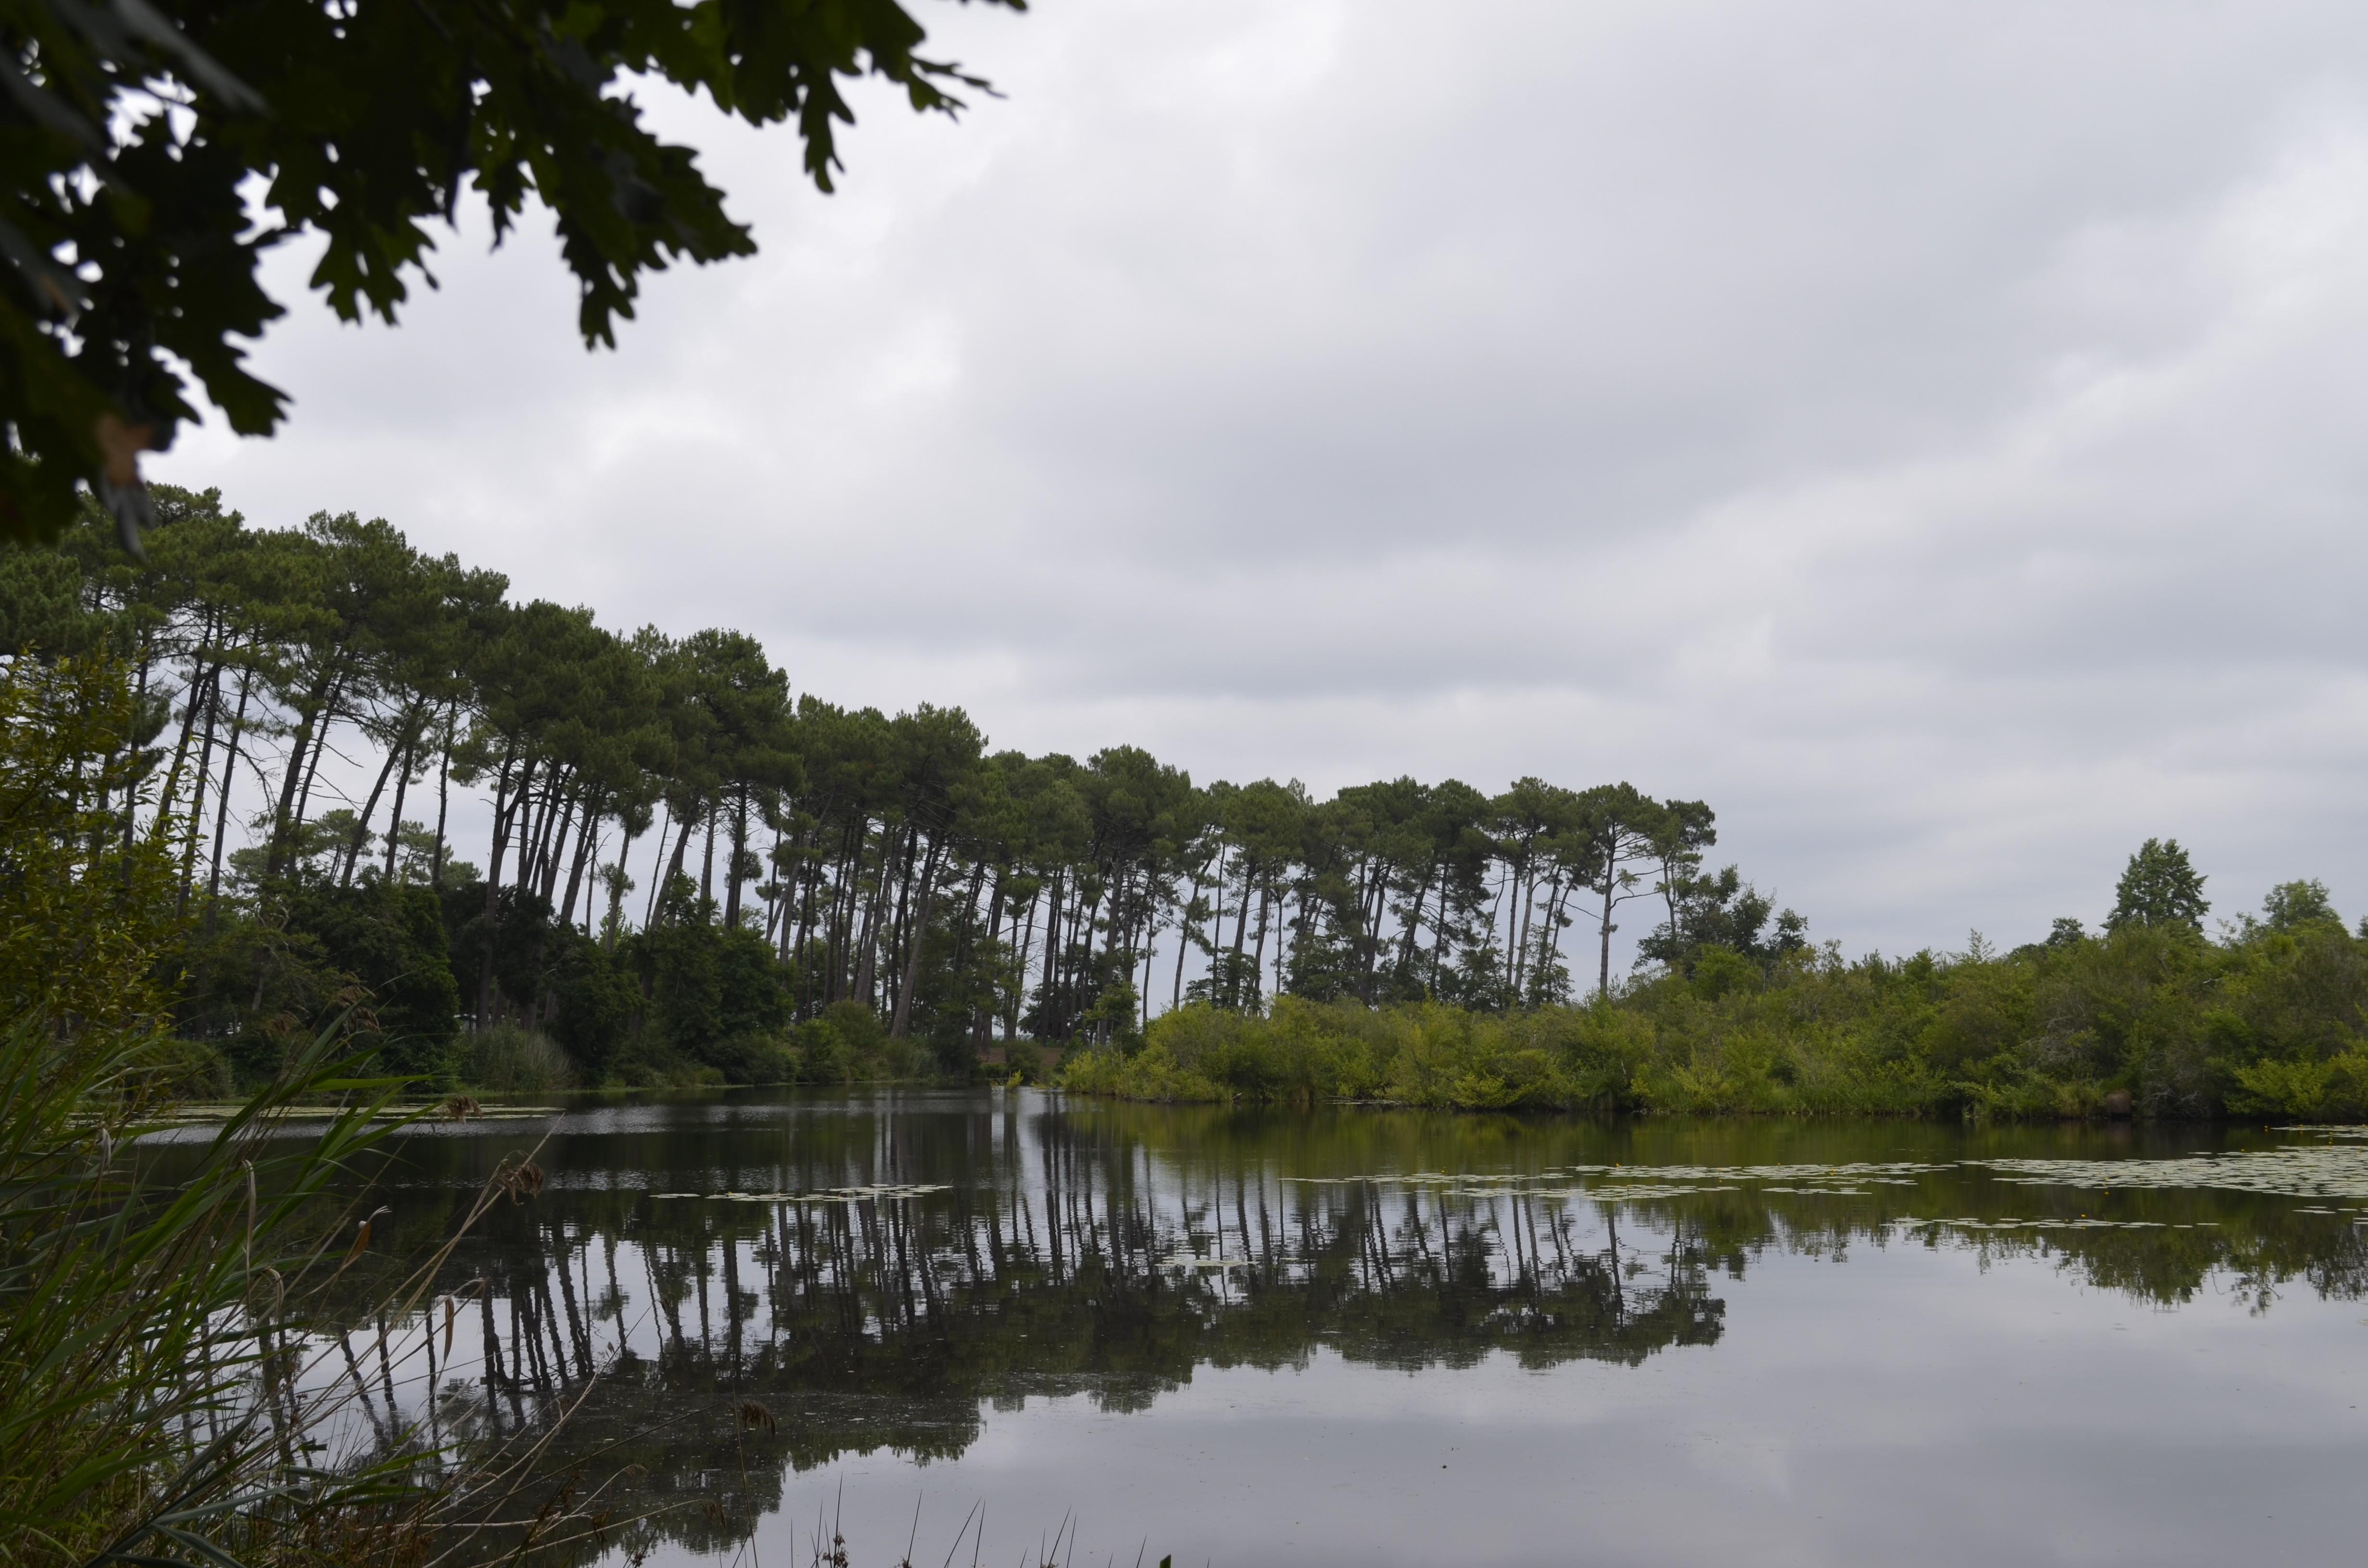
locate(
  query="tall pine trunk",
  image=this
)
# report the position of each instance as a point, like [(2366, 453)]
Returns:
[(221, 807), (901, 1025)]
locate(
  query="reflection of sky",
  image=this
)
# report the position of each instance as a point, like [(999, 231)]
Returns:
[(1903, 1407), (1868, 1397), (1869, 1400)]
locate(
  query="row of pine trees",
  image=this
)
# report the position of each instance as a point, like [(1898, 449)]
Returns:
[(315, 699)]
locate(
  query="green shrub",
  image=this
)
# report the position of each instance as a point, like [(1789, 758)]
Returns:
[(1022, 1057), (509, 1059), (2267, 1024), (848, 1044), (389, 939)]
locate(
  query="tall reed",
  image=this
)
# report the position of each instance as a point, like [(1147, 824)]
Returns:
[(168, 1323)]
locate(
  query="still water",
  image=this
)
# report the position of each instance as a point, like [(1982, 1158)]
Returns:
[(1367, 1336)]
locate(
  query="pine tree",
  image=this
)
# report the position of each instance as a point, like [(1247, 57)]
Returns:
[(2159, 889)]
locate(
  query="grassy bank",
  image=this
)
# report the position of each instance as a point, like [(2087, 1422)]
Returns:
[(2266, 1023)]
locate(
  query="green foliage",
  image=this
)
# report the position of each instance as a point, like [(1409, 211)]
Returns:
[(389, 939), (805, 855), (711, 988), (41, 604), (151, 162), (848, 1045), (154, 1402), (2269, 1025), (2293, 905), (1415, 1054), (1722, 911), (90, 906), (595, 1004), (510, 1059), (1719, 971), (2160, 889), (845, 895)]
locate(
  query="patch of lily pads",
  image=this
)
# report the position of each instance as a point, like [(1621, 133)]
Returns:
[(883, 1192), (2303, 1170), (1644, 1183)]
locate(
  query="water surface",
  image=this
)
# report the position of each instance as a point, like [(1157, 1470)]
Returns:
[(1367, 1336)]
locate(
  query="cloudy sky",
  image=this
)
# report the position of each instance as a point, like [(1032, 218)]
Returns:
[(1932, 433)]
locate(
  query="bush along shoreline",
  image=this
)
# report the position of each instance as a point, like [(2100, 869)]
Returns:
[(2151, 1020)]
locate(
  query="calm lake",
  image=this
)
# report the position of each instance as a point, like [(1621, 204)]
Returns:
[(1369, 1336)]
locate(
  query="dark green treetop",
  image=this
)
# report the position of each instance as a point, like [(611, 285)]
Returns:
[(2159, 889), (2291, 905)]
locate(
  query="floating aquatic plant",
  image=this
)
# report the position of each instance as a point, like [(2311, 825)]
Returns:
[(823, 1195), (2320, 1170)]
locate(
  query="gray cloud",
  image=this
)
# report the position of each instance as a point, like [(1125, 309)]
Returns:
[(1931, 433)]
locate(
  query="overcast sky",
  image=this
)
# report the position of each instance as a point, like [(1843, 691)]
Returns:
[(1932, 433)]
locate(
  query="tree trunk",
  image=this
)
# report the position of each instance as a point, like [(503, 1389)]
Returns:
[(292, 778), (583, 849), (1528, 911), (198, 797), (402, 789), (312, 767), (777, 905), (1047, 995), (504, 807), (1019, 970), (443, 797), (1241, 928), (1439, 945), (1257, 956), (901, 1025), (616, 897), (866, 955), (1183, 942), (1603, 976), (221, 807), (199, 676), (369, 809), (707, 867), (732, 871), (658, 866), (1414, 923), (681, 845), (554, 848), (904, 862)]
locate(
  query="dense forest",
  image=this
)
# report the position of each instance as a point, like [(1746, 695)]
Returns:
[(692, 872), (691, 866)]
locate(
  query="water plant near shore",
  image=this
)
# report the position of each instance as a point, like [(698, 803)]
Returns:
[(171, 1329)]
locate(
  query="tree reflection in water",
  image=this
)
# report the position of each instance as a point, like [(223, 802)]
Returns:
[(720, 1294)]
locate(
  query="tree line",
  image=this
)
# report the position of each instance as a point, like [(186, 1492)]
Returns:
[(2151, 1018), (681, 846)]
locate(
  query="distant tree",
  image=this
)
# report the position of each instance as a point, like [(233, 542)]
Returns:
[(1625, 828), (1722, 912), (2159, 889), (2294, 904), (2066, 932), (330, 688), (155, 149), (1686, 828)]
